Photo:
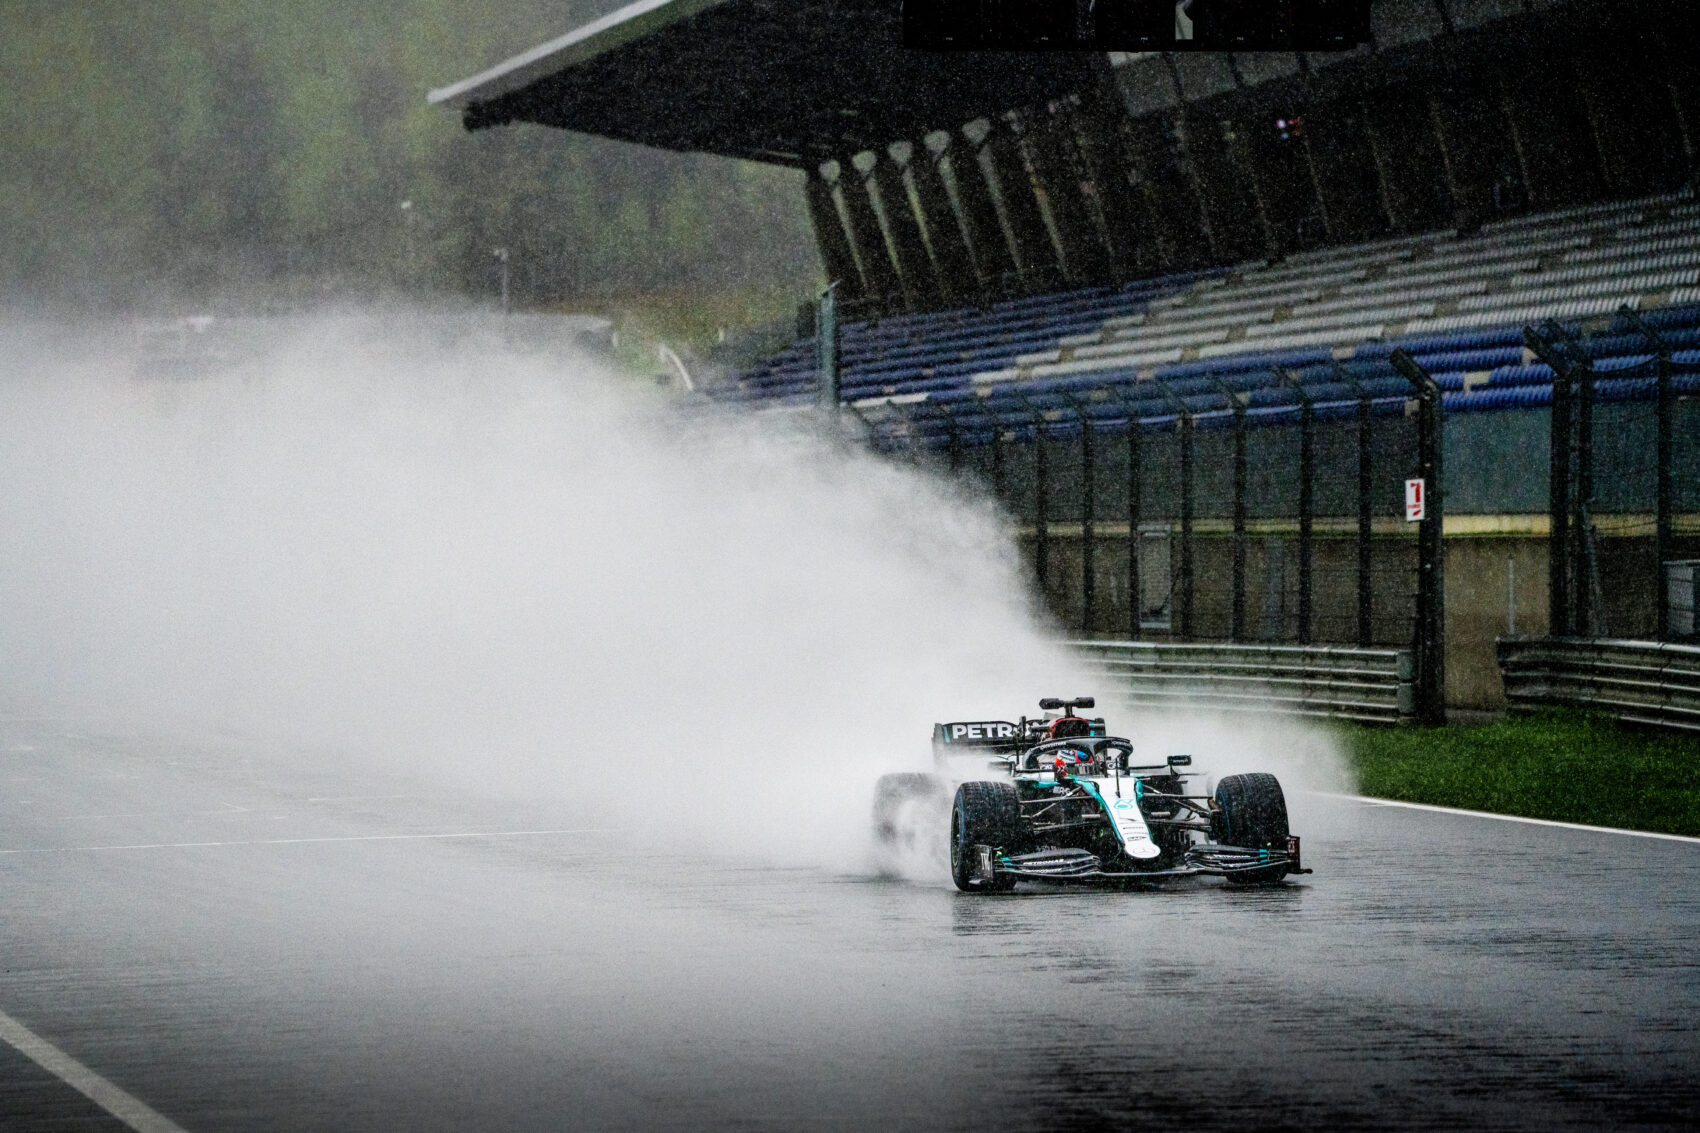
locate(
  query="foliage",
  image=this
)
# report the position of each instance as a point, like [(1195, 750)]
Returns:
[(252, 150), (1568, 766), (714, 331)]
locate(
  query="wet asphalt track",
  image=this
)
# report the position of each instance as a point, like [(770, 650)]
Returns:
[(330, 964)]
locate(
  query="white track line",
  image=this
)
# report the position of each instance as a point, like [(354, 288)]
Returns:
[(1509, 817), (309, 841), (131, 1111)]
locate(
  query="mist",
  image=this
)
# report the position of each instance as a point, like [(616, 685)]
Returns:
[(245, 155), (393, 541)]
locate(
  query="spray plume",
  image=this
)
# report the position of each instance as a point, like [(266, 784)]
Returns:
[(414, 548)]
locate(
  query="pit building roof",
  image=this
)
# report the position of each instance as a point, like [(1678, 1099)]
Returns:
[(788, 82)]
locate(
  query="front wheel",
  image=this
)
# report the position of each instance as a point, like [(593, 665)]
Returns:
[(984, 814), (1251, 811)]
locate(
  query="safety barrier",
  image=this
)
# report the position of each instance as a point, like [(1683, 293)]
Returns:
[(1373, 685), (1640, 682)]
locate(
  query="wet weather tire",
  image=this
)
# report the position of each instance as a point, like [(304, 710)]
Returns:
[(1251, 811), (899, 799), (984, 814)]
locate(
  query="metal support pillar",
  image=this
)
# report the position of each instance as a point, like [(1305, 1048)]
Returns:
[(1185, 144), (1088, 532), (1041, 507), (1392, 205), (879, 274), (1054, 169), (1675, 59), (1248, 156), (1134, 613), (1678, 81), (1585, 571), (952, 262), (1186, 526), (827, 349), (1519, 143), (1366, 588), (1665, 489), (1558, 542), (1663, 485), (987, 242), (1588, 79), (1036, 258), (1184, 427), (1166, 233), (1331, 228), (1307, 496), (1566, 544), (920, 286), (1111, 208), (1366, 410), (834, 242), (1450, 162), (1307, 515), (1236, 623), (1430, 629), (1117, 206)]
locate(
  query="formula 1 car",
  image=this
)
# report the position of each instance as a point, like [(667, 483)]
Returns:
[(1069, 804)]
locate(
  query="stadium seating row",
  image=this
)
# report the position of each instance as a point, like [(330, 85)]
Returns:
[(1320, 324)]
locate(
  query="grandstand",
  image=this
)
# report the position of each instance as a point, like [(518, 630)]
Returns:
[(1457, 303), (1165, 305)]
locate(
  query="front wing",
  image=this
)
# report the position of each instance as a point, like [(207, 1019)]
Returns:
[(1083, 865)]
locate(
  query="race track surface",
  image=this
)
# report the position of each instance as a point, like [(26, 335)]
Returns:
[(244, 944)]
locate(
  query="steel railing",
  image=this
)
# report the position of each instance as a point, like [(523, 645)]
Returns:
[(1641, 682), (1373, 685)]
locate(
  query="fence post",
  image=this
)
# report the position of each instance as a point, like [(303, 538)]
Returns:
[(1431, 547)]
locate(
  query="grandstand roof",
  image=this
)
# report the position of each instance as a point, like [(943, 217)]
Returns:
[(790, 82)]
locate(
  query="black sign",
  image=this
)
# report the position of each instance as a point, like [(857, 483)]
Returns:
[(1135, 25)]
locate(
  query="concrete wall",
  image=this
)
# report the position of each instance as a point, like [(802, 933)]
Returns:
[(1486, 575)]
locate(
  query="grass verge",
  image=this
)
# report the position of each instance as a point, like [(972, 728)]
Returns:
[(1568, 766)]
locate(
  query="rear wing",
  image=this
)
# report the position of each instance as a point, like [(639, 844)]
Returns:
[(965, 737), (985, 734)]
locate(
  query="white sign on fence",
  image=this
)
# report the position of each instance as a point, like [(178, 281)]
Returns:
[(1416, 500)]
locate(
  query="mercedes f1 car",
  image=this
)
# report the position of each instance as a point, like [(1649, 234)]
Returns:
[(1069, 804)]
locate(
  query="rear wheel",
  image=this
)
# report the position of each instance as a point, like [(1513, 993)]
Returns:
[(1251, 811), (901, 800), (984, 814)]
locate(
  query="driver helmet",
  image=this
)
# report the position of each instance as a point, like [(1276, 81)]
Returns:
[(1068, 727)]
